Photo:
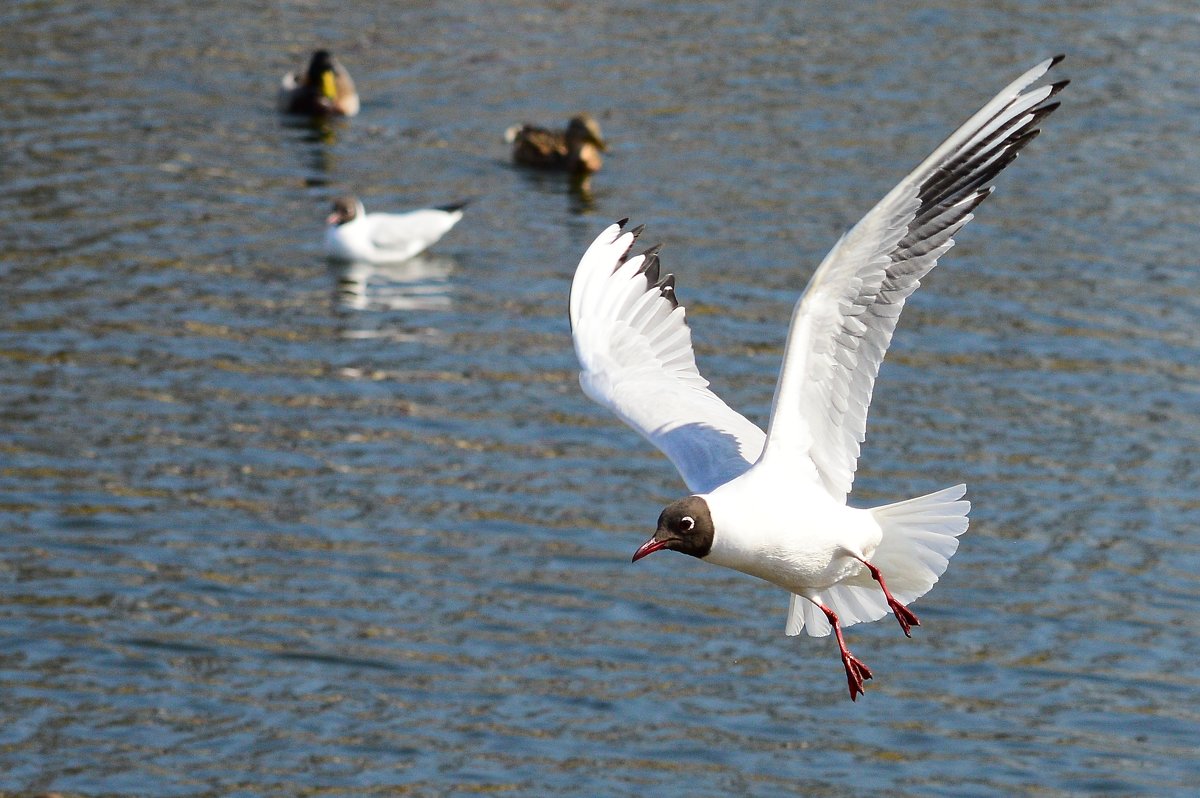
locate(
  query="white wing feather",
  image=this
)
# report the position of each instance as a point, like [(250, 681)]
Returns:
[(635, 350), (415, 230), (843, 323)]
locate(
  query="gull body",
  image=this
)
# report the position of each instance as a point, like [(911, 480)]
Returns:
[(773, 504), (798, 551), (352, 234)]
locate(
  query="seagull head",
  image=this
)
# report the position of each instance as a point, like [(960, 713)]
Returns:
[(685, 526), (345, 209)]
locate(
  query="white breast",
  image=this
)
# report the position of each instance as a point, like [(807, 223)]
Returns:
[(350, 241), (793, 535)]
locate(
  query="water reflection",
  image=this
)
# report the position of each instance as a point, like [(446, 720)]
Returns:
[(420, 283), (315, 137), (576, 188), (579, 189), (314, 129)]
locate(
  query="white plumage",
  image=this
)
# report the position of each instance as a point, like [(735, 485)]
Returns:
[(352, 234), (773, 505)]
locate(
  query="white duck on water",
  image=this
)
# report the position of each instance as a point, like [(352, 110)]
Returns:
[(773, 505), (352, 234)]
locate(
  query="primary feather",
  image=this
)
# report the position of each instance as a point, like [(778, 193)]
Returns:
[(843, 322), (635, 350)]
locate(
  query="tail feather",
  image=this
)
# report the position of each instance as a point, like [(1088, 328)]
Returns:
[(919, 537)]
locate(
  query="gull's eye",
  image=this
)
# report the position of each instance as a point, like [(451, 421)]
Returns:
[(686, 523)]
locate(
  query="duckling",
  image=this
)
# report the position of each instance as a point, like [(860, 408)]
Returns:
[(352, 234), (575, 150), (325, 89)]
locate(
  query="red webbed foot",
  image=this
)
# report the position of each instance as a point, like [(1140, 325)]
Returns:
[(857, 671), (904, 616)]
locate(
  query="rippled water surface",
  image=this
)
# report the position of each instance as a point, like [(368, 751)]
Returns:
[(275, 527)]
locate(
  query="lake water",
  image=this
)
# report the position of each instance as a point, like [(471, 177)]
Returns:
[(272, 527)]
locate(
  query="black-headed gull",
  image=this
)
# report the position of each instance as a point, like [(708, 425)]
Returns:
[(774, 505), (324, 89), (352, 234)]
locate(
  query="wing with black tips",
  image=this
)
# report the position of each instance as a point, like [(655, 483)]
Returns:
[(843, 322), (635, 350)]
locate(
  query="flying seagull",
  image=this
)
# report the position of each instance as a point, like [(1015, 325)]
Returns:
[(773, 505)]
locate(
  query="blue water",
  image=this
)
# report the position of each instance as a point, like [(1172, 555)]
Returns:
[(273, 527)]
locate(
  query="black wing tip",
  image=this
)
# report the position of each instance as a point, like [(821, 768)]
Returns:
[(1044, 111), (1055, 88), (1057, 59), (622, 222), (635, 232), (954, 180), (453, 206), (975, 200), (649, 264), (666, 289), (650, 268)]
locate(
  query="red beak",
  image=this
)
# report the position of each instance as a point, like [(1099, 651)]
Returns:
[(333, 218), (649, 547)]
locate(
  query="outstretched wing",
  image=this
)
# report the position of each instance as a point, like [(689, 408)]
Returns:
[(843, 322), (636, 355)]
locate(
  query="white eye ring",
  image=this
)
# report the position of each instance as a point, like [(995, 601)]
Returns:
[(687, 523)]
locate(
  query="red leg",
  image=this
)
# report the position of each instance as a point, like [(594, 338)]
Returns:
[(856, 669), (904, 616)]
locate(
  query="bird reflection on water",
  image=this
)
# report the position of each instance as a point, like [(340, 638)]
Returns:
[(420, 283)]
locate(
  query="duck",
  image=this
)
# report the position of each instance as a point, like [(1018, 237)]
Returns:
[(352, 234), (324, 89), (575, 150)]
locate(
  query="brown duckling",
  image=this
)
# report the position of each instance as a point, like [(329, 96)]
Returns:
[(575, 150), (325, 89)]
